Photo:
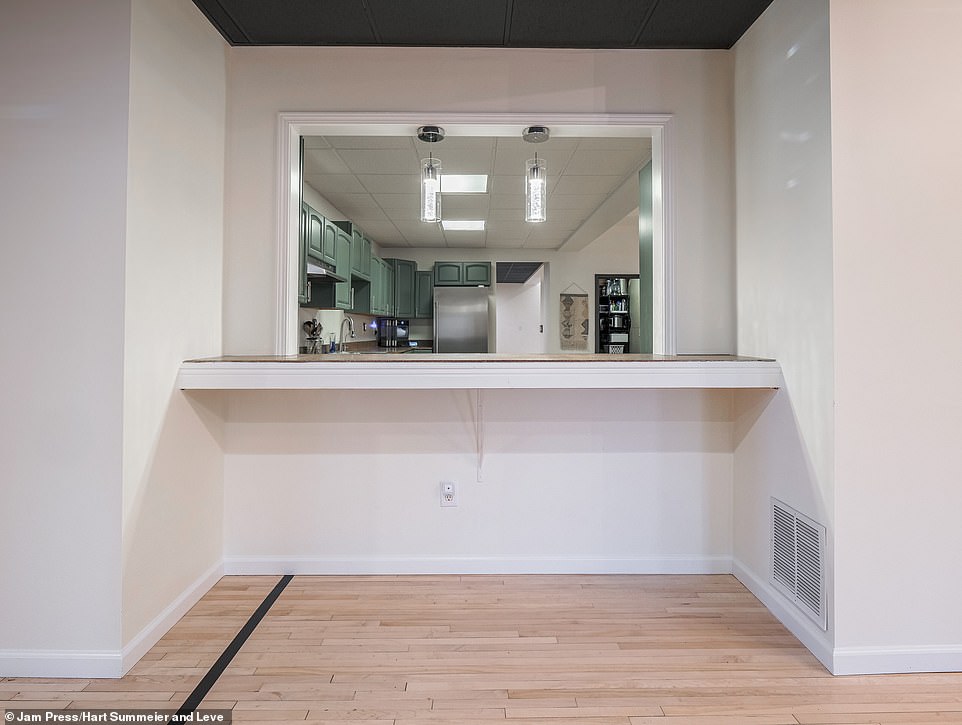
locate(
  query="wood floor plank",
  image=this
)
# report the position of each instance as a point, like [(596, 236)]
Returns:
[(564, 650)]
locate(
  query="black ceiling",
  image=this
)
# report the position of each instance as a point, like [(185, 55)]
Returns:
[(516, 272), (486, 23)]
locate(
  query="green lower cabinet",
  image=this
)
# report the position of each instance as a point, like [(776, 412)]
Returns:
[(377, 288), (424, 294), (404, 287)]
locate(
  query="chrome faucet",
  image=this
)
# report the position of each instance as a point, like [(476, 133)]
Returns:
[(350, 328)]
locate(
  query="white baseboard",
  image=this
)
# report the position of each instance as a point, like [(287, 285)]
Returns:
[(159, 626), (106, 663), (474, 565), (60, 663), (895, 660), (808, 633)]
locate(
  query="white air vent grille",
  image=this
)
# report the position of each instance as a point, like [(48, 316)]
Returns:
[(798, 546)]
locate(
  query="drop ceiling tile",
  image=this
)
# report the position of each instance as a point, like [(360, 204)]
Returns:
[(352, 204), (507, 215), (548, 23), (586, 204), (508, 185), (506, 201), (324, 161), (615, 162), (316, 142), (517, 229), (472, 240), (512, 153), (571, 185), (464, 206), (392, 202), (370, 142), (380, 161), (390, 183), (417, 232), (552, 243), (498, 242), (462, 22), (343, 183)]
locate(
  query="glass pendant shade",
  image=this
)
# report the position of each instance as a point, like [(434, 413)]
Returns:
[(535, 189), (430, 189)]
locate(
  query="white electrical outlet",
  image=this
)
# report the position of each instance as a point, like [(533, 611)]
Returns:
[(449, 493)]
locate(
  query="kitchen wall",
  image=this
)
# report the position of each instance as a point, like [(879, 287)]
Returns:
[(695, 86), (63, 117), (173, 464), (573, 481), (898, 388), (518, 311), (784, 442)]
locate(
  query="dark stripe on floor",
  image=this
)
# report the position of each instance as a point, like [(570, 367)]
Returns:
[(200, 692)]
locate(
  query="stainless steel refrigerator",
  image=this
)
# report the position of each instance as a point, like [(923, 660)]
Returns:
[(461, 319)]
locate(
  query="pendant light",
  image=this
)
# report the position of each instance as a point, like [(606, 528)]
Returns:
[(535, 177), (534, 189), (430, 176)]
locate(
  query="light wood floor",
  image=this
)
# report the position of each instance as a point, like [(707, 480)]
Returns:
[(633, 650)]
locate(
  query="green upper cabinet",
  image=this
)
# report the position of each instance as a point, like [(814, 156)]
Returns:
[(342, 263), (424, 294), (404, 287), (477, 273), (448, 274), (314, 226), (329, 242), (302, 257), (462, 274), (360, 255), (327, 294)]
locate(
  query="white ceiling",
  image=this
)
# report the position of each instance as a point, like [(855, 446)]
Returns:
[(373, 181)]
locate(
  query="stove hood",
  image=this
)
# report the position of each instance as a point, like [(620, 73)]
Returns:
[(321, 271)]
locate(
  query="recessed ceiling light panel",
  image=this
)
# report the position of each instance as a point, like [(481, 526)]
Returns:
[(462, 225), (464, 183)]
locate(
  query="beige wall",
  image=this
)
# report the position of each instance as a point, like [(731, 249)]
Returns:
[(898, 402), (783, 146), (173, 464), (694, 86), (63, 124)]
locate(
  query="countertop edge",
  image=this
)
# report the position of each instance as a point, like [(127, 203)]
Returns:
[(447, 372)]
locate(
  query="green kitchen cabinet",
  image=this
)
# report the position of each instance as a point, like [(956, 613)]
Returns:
[(360, 255), (377, 287), (424, 294), (314, 229), (404, 287), (329, 246), (388, 282), (328, 294), (462, 274), (477, 273), (448, 274), (302, 257)]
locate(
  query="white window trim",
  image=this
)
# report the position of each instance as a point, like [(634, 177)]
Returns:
[(291, 126)]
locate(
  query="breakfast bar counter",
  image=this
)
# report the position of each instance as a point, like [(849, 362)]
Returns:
[(436, 371)]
